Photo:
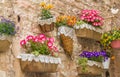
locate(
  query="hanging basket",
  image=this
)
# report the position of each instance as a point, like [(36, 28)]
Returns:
[(66, 35), (67, 43), (42, 63), (47, 25), (94, 68), (115, 44), (106, 63), (88, 31), (5, 42)]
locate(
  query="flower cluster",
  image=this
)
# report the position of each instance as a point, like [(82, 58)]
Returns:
[(39, 44), (66, 20), (7, 27), (95, 56), (108, 37), (45, 13), (91, 17)]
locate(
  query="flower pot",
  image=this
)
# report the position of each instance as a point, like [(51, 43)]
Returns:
[(92, 66), (47, 25), (66, 35), (5, 42), (88, 31), (94, 70), (106, 63), (41, 63), (115, 44)]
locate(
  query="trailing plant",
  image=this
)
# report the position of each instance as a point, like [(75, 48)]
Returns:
[(83, 63)]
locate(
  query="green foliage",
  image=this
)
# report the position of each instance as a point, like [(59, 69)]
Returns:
[(61, 23), (97, 59), (38, 48), (80, 22), (46, 14), (83, 63), (7, 28)]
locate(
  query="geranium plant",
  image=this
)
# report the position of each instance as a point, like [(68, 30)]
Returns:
[(39, 44), (7, 27), (108, 37), (45, 13), (64, 20), (91, 17)]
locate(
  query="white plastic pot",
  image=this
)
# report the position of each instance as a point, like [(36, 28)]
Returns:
[(106, 63)]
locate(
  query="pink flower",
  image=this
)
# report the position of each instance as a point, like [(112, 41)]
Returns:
[(51, 39), (55, 48), (22, 42), (43, 39), (50, 44), (36, 39), (30, 37), (82, 18), (42, 36)]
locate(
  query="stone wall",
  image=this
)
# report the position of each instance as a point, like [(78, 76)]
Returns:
[(27, 11)]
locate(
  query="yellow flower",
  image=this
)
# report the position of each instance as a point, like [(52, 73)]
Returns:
[(49, 6), (42, 4)]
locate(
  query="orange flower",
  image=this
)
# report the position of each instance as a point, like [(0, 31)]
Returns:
[(66, 20), (71, 20), (113, 57)]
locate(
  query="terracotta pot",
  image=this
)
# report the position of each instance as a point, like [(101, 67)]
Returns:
[(115, 44)]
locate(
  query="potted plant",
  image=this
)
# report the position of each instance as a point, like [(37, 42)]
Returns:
[(41, 54), (111, 39), (66, 32), (7, 30), (91, 61), (46, 20), (89, 25)]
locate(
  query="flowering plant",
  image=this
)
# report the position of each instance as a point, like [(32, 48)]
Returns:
[(91, 17), (95, 56), (66, 20), (7, 27), (39, 45), (45, 13), (108, 37)]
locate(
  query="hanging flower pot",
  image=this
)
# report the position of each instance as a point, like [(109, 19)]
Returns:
[(5, 42), (88, 31), (46, 20), (47, 25), (115, 44), (66, 32), (40, 49), (7, 30), (91, 68), (66, 35), (106, 63), (41, 63)]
